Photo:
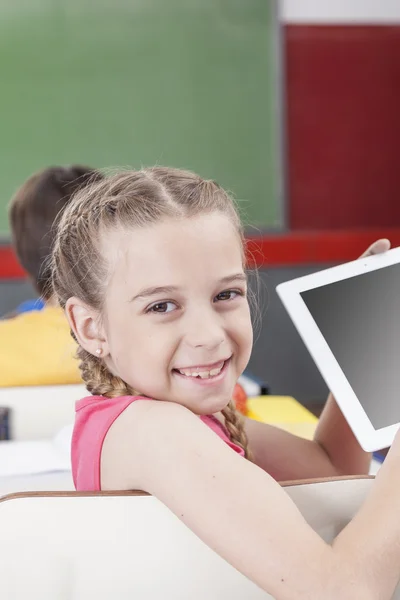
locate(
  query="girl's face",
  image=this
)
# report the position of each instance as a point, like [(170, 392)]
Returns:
[(176, 321)]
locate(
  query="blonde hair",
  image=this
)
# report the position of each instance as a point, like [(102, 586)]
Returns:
[(126, 200)]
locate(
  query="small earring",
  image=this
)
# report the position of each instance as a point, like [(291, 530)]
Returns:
[(98, 351)]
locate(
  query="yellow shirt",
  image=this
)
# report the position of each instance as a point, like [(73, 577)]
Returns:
[(36, 348)]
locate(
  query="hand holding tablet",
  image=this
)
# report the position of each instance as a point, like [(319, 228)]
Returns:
[(349, 318)]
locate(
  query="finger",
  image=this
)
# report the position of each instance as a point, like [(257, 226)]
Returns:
[(377, 248)]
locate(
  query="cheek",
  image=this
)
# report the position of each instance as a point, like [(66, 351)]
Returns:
[(243, 331), (248, 341), (140, 347), (120, 336)]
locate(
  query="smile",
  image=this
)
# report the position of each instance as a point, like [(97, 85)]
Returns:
[(203, 371)]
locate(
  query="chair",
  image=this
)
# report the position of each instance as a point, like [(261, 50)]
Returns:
[(75, 546)]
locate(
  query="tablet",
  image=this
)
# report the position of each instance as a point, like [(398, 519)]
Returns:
[(349, 318)]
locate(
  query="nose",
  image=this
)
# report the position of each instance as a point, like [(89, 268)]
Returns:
[(204, 330)]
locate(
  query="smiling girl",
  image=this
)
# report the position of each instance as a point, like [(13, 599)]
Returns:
[(150, 269)]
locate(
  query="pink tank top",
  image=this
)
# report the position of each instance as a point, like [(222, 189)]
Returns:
[(94, 417)]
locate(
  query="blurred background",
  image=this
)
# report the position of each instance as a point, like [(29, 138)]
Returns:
[(291, 105)]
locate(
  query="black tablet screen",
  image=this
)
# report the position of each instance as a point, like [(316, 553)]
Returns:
[(360, 320)]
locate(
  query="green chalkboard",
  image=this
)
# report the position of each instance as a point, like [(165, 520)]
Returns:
[(187, 83)]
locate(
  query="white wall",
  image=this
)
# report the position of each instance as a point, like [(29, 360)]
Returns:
[(340, 11)]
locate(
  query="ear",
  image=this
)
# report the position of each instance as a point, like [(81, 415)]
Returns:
[(85, 323)]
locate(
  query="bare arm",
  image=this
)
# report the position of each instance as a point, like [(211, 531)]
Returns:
[(241, 512), (333, 451), (334, 435)]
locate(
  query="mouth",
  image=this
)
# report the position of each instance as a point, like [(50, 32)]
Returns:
[(204, 373)]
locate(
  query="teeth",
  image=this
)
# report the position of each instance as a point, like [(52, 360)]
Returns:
[(201, 374), (215, 372)]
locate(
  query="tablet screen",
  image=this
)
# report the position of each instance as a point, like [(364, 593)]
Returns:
[(359, 318)]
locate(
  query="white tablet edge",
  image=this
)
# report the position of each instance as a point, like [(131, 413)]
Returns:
[(368, 437)]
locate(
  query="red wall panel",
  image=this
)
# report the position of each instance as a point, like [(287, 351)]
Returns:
[(280, 250), (343, 126)]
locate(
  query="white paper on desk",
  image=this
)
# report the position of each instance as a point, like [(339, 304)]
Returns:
[(32, 457), (26, 458)]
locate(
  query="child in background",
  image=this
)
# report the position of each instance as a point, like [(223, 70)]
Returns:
[(150, 269), (36, 346)]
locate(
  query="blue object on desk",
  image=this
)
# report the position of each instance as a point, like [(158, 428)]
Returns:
[(378, 456)]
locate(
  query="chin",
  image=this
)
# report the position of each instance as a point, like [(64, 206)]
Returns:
[(210, 406)]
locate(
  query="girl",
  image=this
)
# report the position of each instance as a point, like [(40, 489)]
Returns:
[(149, 267)]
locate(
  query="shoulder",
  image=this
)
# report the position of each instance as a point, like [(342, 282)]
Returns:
[(151, 438), (149, 419)]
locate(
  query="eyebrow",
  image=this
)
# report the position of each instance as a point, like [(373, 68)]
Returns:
[(170, 289)]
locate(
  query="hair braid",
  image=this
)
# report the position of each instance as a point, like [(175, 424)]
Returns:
[(235, 426), (98, 379)]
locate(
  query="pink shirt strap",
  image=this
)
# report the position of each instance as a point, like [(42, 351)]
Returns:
[(94, 417)]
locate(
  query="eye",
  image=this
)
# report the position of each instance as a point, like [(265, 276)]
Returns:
[(162, 307), (228, 295)]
